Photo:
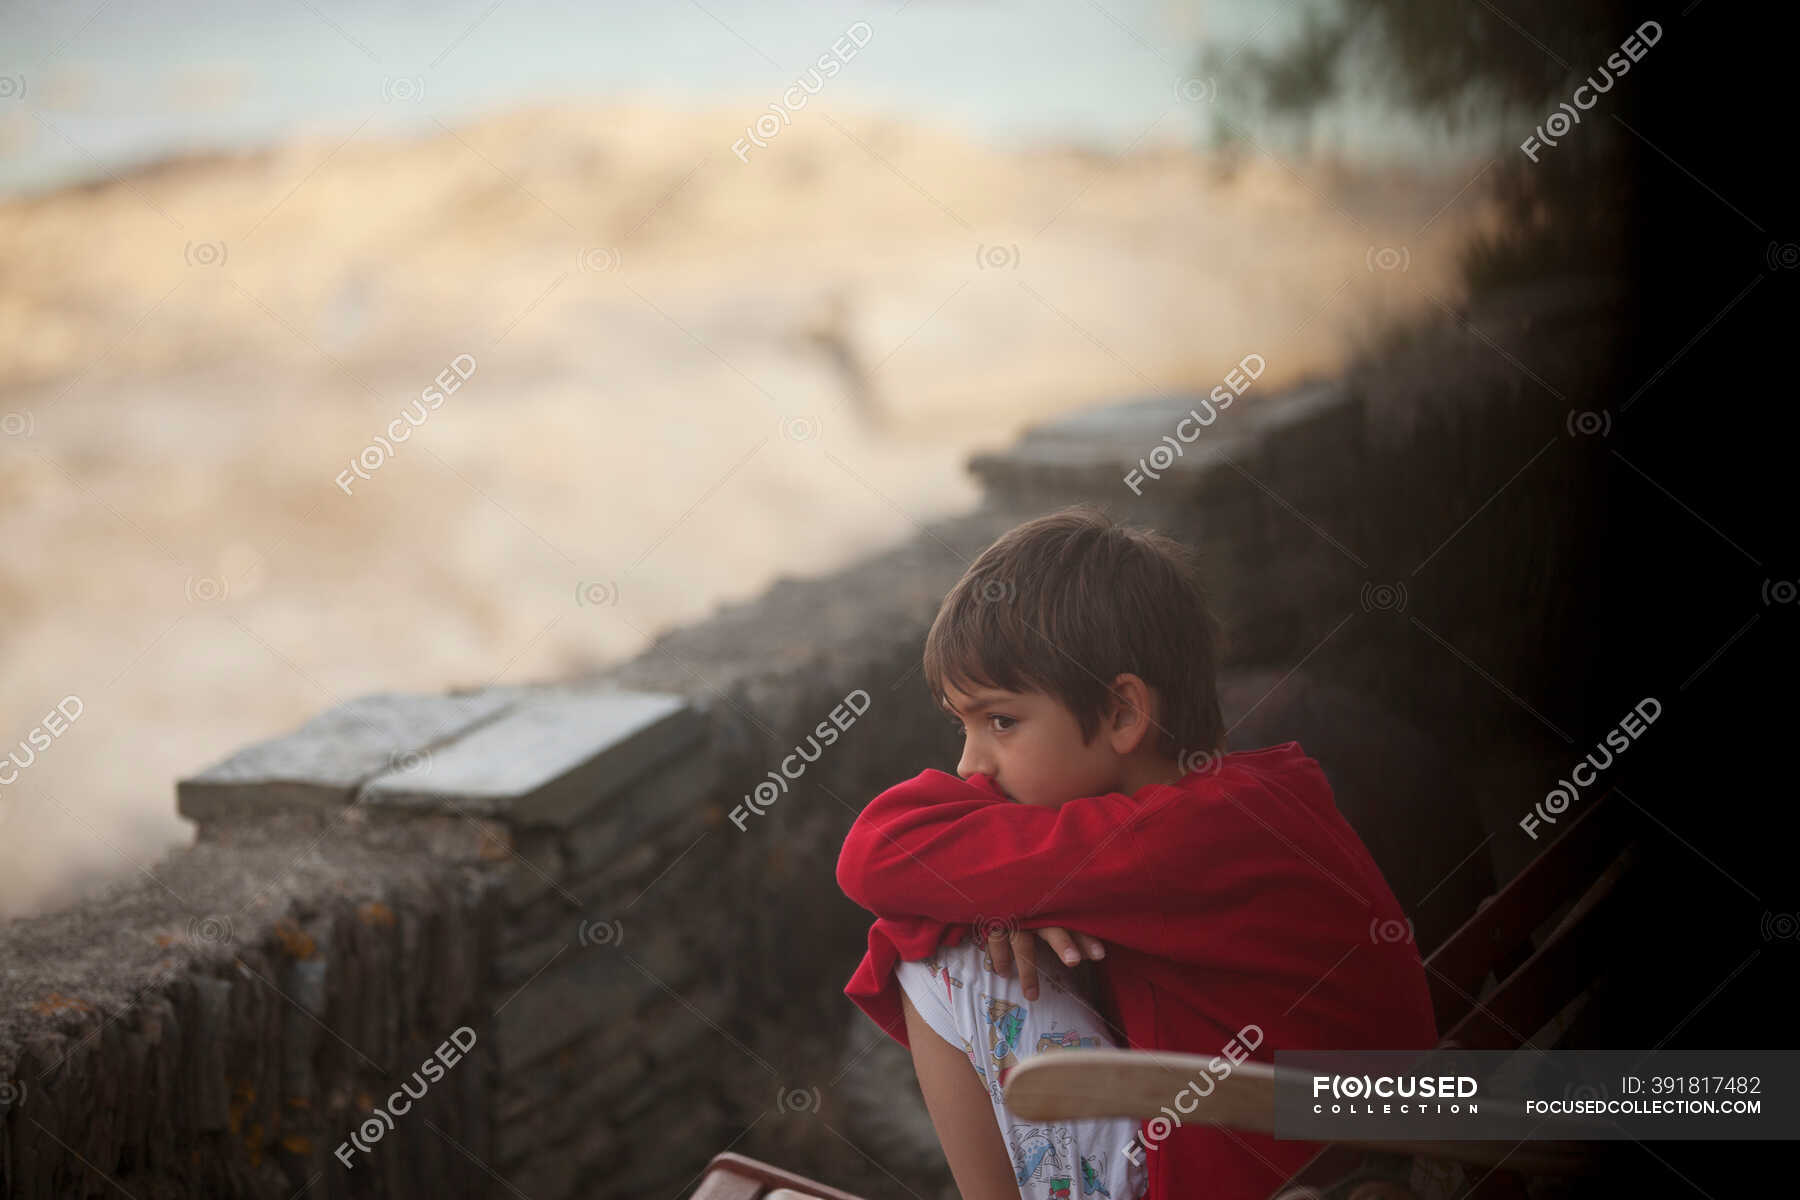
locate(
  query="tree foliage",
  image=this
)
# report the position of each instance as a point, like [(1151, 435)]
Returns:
[(1468, 67)]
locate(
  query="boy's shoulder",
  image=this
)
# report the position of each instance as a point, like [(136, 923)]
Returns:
[(1284, 767), (1278, 788)]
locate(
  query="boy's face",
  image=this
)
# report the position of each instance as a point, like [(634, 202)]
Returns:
[(1030, 745)]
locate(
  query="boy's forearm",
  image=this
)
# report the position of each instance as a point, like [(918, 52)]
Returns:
[(935, 847), (910, 855)]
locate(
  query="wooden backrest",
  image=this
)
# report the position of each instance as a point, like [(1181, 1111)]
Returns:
[(1591, 864), (1496, 937)]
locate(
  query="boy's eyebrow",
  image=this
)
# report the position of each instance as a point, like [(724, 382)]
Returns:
[(982, 700)]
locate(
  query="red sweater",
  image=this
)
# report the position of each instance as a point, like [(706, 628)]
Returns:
[(1231, 898)]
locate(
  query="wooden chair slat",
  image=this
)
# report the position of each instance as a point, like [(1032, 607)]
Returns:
[(1326, 1167), (1140, 1083), (1505, 923), (726, 1186), (738, 1177), (1552, 976)]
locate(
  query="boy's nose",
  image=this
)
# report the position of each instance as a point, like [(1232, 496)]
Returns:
[(973, 762)]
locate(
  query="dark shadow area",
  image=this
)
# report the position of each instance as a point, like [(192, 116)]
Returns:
[(1626, 327)]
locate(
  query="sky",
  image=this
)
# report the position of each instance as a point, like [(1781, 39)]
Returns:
[(88, 88)]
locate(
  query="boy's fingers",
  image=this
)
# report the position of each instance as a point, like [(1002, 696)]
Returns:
[(1062, 943), (999, 952), (1024, 947), (1091, 946)]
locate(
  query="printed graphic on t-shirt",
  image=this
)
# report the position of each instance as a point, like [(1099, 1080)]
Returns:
[(1043, 1154), (1005, 1020), (1064, 1039), (1091, 1182), (943, 976), (998, 1029)]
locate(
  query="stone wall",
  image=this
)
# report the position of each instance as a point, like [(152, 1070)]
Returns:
[(649, 970), (220, 1027), (646, 967)]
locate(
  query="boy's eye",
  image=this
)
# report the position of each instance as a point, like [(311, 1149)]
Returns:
[(996, 722)]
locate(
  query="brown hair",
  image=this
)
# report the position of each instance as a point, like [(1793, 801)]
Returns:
[(1065, 603)]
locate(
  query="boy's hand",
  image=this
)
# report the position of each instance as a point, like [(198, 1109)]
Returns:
[(1021, 944)]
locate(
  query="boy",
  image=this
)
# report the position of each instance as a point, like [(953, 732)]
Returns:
[(1232, 904)]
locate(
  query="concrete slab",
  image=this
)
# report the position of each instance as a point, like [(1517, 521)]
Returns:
[(546, 760), (1091, 451), (321, 764)]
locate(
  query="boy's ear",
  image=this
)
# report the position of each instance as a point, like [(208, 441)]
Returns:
[(1129, 716)]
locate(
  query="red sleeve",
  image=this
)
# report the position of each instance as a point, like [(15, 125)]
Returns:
[(955, 851)]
